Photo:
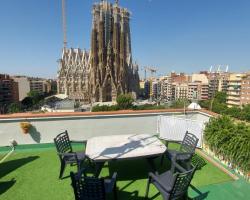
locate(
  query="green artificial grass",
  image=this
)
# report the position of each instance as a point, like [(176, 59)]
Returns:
[(33, 174)]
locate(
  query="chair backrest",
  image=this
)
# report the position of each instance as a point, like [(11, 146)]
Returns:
[(62, 143), (189, 143), (87, 188), (182, 181)]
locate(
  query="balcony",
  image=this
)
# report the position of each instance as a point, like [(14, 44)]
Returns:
[(31, 171)]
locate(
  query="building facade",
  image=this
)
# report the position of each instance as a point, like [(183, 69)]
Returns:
[(218, 82), (180, 91), (166, 88), (23, 86), (106, 71), (234, 90), (8, 92), (245, 90)]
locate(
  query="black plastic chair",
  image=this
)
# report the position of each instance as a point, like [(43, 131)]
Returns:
[(186, 151), (92, 188), (171, 184), (65, 152)]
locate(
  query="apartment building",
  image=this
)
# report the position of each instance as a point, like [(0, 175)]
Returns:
[(8, 92), (166, 88), (180, 91), (202, 85), (234, 89), (23, 86), (245, 89), (218, 81)]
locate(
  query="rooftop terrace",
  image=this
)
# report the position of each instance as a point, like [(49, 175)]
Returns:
[(31, 171)]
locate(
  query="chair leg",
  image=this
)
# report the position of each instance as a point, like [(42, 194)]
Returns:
[(162, 158), (62, 170), (147, 189)]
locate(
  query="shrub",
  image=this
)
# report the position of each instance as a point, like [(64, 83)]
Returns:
[(148, 107), (14, 108), (99, 108), (229, 140), (180, 103), (125, 101)]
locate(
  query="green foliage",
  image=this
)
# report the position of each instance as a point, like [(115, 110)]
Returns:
[(33, 93), (35, 96), (125, 101), (229, 140), (14, 108), (148, 107), (99, 108), (180, 103), (205, 103), (221, 97), (219, 105), (27, 102)]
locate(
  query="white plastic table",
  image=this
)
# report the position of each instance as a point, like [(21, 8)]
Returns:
[(119, 147)]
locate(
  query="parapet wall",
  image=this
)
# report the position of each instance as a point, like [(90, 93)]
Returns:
[(81, 126)]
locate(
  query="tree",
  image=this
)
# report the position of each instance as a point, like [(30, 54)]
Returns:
[(221, 97), (180, 103), (14, 108), (27, 102), (125, 101), (35, 96)]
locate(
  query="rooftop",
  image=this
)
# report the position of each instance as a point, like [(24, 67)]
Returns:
[(32, 173)]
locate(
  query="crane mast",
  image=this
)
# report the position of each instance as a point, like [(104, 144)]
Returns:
[(64, 24)]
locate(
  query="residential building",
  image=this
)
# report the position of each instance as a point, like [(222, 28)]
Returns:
[(108, 70), (180, 91), (27, 84), (234, 89), (217, 82), (40, 85), (193, 91), (179, 78), (23, 86), (8, 92), (166, 88), (147, 88), (245, 89), (202, 85), (155, 89)]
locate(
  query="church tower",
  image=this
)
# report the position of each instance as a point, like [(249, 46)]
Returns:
[(111, 70)]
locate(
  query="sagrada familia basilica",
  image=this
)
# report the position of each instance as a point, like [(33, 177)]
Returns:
[(107, 70)]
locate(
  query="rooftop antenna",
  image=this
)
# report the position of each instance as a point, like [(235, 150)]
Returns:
[(64, 24)]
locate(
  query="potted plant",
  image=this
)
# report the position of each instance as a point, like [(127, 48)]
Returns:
[(25, 126)]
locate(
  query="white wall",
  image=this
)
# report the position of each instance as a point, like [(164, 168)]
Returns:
[(45, 129), (23, 86)]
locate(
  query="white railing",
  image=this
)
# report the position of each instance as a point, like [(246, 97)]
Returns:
[(173, 128)]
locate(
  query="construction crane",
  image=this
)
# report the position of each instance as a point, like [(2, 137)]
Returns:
[(64, 24), (152, 70)]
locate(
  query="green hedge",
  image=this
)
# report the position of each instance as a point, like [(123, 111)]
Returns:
[(99, 108), (229, 140)]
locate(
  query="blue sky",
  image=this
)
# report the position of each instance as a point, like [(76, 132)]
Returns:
[(180, 35)]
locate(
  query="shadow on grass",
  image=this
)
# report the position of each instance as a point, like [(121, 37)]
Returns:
[(200, 195), (129, 195), (136, 169), (9, 166), (198, 161), (4, 186)]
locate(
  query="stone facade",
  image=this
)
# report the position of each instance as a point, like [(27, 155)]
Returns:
[(107, 70)]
